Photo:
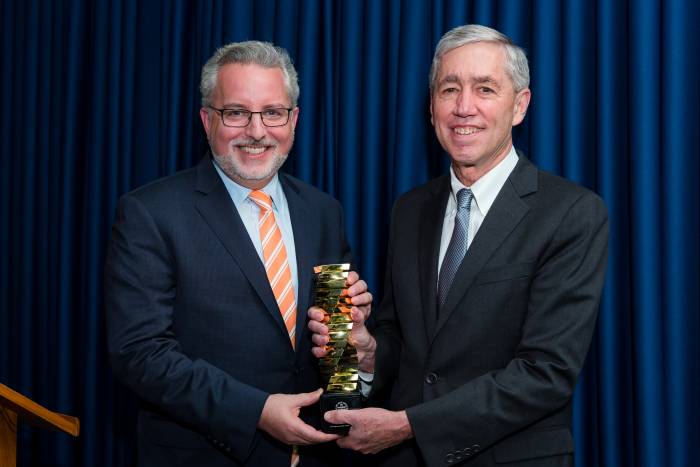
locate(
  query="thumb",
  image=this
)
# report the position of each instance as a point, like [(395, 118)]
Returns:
[(337, 416), (358, 318), (307, 398)]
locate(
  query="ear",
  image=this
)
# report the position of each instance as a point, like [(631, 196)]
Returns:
[(522, 101), (432, 120), (204, 115), (295, 116)]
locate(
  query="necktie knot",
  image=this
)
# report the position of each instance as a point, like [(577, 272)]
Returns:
[(262, 199)]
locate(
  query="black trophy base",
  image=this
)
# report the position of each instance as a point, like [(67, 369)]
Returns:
[(338, 401)]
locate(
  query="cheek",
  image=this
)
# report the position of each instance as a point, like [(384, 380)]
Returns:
[(283, 138), (217, 138), (220, 141), (440, 123), (442, 119), (222, 135)]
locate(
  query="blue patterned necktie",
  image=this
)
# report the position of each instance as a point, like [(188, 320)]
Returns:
[(457, 247)]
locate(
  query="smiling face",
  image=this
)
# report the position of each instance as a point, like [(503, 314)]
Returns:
[(474, 108), (252, 155)]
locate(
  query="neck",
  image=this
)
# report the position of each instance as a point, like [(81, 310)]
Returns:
[(469, 174)]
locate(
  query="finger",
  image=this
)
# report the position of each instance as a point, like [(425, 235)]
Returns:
[(307, 398), (319, 352), (321, 437), (338, 416), (316, 314), (352, 278), (365, 298), (346, 442), (320, 340), (310, 435), (318, 328), (357, 288), (358, 316)]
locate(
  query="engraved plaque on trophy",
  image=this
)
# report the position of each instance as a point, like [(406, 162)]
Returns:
[(339, 366)]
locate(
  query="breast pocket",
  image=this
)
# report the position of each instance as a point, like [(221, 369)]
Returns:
[(505, 273)]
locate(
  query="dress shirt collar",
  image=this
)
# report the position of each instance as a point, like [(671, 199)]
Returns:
[(239, 194), (489, 185)]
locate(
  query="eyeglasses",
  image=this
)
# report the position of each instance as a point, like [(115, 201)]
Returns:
[(239, 118)]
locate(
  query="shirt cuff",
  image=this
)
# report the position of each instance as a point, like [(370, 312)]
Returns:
[(365, 382)]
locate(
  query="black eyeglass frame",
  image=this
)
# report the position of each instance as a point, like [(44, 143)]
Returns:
[(250, 116)]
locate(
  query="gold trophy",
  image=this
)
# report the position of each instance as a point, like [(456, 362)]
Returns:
[(339, 366)]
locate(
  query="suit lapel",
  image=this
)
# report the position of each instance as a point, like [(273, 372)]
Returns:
[(221, 215), (505, 214), (432, 215), (306, 234)]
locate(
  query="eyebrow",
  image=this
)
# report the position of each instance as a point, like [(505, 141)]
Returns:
[(485, 80), (234, 105), (450, 79)]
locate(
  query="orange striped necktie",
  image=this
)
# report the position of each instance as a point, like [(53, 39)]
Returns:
[(276, 262)]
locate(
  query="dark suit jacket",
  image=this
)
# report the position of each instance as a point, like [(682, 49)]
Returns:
[(193, 326), (489, 381)]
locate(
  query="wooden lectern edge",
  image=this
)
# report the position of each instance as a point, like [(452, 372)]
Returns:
[(36, 415)]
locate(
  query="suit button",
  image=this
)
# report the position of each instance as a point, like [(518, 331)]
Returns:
[(431, 378), (450, 458), (476, 448)]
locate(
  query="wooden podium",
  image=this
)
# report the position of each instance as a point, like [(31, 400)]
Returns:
[(14, 406)]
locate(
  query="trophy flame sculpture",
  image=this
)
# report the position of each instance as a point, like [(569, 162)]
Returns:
[(339, 366)]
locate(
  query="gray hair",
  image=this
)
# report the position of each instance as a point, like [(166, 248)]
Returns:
[(249, 52), (516, 61)]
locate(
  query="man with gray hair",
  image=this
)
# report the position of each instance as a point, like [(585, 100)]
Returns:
[(206, 273), (493, 280)]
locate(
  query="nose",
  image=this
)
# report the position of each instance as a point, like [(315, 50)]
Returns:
[(255, 128), (464, 104)]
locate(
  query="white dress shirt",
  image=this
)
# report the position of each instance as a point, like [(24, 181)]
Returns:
[(485, 191), (249, 213)]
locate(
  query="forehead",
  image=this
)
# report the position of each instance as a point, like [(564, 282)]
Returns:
[(474, 61), (250, 84)]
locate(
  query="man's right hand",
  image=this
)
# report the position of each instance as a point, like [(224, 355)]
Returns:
[(280, 419)]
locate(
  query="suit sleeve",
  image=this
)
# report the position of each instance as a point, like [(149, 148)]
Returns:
[(540, 379), (140, 289)]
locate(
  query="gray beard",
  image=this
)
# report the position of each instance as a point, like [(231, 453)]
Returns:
[(227, 165)]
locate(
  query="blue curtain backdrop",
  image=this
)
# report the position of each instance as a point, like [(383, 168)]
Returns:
[(101, 97)]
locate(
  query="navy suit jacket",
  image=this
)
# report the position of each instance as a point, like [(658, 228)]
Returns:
[(488, 380), (193, 326)]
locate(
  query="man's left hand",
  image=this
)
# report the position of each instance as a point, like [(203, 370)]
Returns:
[(372, 429)]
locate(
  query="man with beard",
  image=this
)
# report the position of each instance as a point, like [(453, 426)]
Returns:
[(493, 280), (206, 272)]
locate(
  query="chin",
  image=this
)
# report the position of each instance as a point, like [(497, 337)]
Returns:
[(260, 171), (257, 173), (465, 159)]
